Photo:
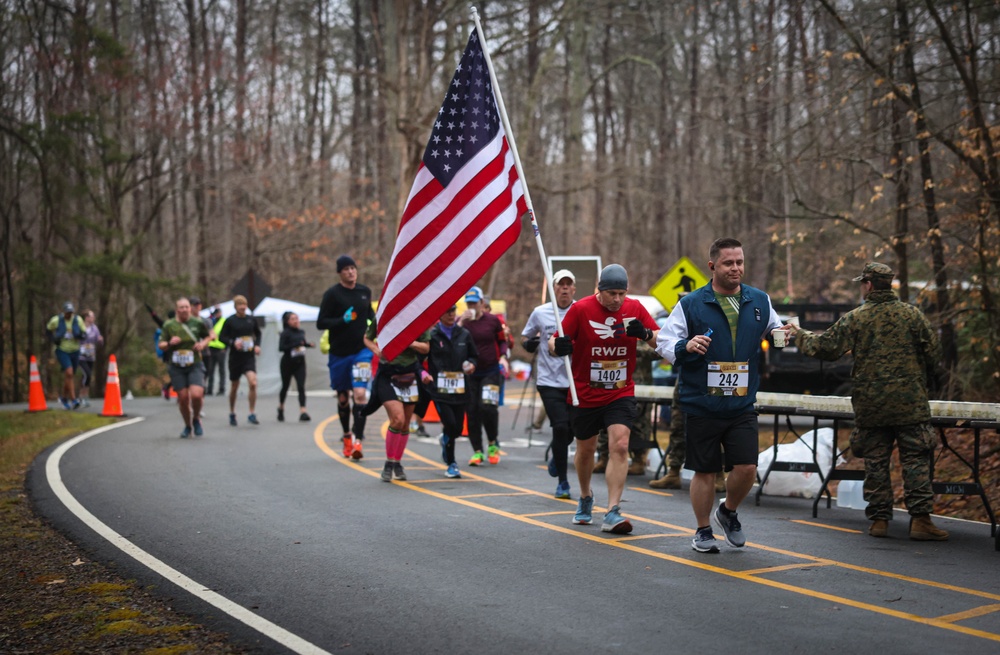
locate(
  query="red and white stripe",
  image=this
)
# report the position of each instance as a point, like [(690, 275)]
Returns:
[(448, 238)]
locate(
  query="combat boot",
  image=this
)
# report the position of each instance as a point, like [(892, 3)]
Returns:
[(602, 463), (672, 480), (879, 528), (922, 529), (720, 482), (638, 465)]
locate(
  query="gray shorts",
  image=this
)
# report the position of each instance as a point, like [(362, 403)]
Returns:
[(182, 377)]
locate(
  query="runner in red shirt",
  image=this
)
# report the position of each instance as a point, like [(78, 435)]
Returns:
[(600, 332)]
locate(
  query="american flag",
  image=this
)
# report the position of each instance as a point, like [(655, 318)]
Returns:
[(464, 210)]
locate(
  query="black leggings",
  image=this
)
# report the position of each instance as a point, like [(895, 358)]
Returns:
[(293, 366), (558, 410), (482, 416), (452, 417)]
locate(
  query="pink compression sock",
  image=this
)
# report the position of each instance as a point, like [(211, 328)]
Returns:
[(402, 439), (391, 439)]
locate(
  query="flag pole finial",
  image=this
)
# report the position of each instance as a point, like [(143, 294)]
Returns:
[(475, 13)]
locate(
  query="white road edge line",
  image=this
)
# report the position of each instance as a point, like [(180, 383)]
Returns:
[(261, 625)]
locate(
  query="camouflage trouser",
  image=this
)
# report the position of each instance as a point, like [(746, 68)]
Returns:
[(677, 448), (642, 428), (916, 447)]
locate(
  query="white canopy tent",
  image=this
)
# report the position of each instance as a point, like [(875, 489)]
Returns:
[(268, 362)]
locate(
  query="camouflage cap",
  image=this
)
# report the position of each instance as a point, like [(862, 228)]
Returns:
[(874, 270)]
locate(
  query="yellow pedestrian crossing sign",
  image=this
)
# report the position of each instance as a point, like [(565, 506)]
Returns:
[(682, 277)]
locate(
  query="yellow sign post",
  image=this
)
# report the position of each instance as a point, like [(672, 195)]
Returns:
[(682, 277)]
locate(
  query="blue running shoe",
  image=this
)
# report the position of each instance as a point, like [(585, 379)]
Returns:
[(730, 525), (444, 448), (584, 511), (232, 420), (615, 523), (553, 471), (453, 471), (704, 541), (252, 419), (186, 432), (197, 428), (562, 490), (64, 403)]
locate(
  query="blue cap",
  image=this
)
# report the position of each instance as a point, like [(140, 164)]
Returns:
[(475, 294)]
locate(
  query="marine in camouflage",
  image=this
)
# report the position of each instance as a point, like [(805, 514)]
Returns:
[(896, 356)]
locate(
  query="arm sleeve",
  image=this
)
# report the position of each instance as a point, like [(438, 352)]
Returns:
[(224, 334), (531, 327), (831, 344), (285, 341), (256, 333), (673, 336), (328, 319)]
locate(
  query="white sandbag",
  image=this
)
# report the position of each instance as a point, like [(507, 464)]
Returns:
[(802, 484)]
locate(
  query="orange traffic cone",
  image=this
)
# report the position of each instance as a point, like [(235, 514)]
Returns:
[(465, 427), (431, 416), (36, 395), (112, 391)]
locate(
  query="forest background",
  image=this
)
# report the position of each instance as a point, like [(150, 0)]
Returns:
[(150, 148)]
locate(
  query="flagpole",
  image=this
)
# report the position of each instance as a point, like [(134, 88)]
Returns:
[(527, 197)]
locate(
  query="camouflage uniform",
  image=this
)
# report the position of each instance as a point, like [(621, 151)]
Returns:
[(896, 353), (676, 449)]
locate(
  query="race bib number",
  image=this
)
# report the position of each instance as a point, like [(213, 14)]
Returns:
[(182, 357), (609, 374), (406, 394), (728, 378), (491, 394), (299, 352), (87, 350), (362, 372), (244, 344), (450, 382)]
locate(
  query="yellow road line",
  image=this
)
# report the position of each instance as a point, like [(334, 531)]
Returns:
[(650, 491), (828, 527), (517, 493), (786, 567), (970, 614), (620, 543)]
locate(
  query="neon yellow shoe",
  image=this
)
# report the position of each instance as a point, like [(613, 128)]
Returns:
[(493, 454)]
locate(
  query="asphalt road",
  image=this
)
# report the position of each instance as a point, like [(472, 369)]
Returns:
[(317, 555)]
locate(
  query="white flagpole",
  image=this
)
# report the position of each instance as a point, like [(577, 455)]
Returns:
[(527, 198)]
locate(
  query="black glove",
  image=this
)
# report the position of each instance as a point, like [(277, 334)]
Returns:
[(564, 346), (531, 345), (638, 330)]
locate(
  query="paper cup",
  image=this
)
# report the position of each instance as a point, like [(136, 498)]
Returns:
[(779, 338)]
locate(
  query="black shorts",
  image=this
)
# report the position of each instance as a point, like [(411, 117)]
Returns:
[(588, 421), (240, 363), (707, 439)]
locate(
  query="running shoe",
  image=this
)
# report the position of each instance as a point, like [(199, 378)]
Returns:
[(304, 417), (422, 433), (704, 541), (232, 420), (198, 431), (398, 472), (281, 415), (387, 472), (186, 432), (477, 459), (493, 454), (348, 445), (86, 403), (553, 471), (453, 471), (65, 403), (76, 403), (562, 490), (356, 451), (730, 525), (584, 511), (615, 523), (252, 419), (443, 440)]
